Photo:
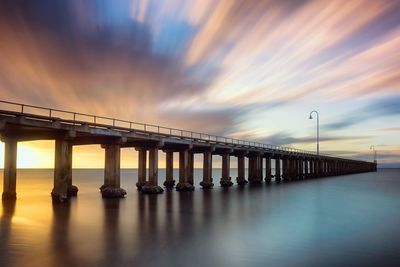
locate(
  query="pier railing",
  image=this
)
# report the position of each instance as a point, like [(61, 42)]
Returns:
[(125, 125)]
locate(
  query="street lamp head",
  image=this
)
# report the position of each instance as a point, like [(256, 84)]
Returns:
[(310, 117)]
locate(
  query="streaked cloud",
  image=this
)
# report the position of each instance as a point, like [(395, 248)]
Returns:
[(247, 69)]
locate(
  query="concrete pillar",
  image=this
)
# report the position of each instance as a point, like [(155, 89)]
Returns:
[(256, 170), (284, 168), (142, 158), (241, 180), (314, 168), (61, 170), (268, 169), (151, 186), (293, 169), (72, 189), (260, 173), (250, 169), (169, 178), (207, 171), (111, 187), (301, 168), (306, 169), (191, 168), (183, 184), (278, 170), (289, 169), (10, 169), (226, 178)]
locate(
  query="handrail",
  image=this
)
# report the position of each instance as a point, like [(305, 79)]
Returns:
[(169, 131)]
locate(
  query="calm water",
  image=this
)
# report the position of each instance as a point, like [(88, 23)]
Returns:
[(351, 220)]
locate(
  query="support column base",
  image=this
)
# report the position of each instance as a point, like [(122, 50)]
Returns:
[(278, 179), (112, 192), (9, 196), (58, 197), (184, 187), (151, 189), (226, 182), (72, 191), (169, 184), (139, 185), (206, 185), (241, 181)]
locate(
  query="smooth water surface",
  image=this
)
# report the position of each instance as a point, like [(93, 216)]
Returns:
[(351, 220)]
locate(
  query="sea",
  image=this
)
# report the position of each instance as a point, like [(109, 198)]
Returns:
[(350, 220)]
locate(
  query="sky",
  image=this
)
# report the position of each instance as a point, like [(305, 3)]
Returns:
[(247, 69)]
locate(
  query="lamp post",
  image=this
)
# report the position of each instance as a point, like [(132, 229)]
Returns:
[(316, 112), (374, 151)]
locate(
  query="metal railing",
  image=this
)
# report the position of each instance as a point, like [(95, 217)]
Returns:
[(118, 124)]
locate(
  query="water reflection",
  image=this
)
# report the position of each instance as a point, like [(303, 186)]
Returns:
[(239, 226), (6, 230), (111, 233), (60, 234)]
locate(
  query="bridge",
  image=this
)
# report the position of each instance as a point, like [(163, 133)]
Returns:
[(20, 122)]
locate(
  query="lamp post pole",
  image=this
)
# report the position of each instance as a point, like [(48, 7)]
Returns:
[(374, 151), (316, 112)]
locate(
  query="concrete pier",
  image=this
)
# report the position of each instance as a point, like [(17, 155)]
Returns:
[(111, 187), (226, 178), (207, 181), (10, 169), (183, 184), (18, 126), (169, 178), (151, 186), (241, 180), (142, 158)]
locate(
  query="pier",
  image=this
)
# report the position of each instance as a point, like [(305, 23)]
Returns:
[(20, 122)]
